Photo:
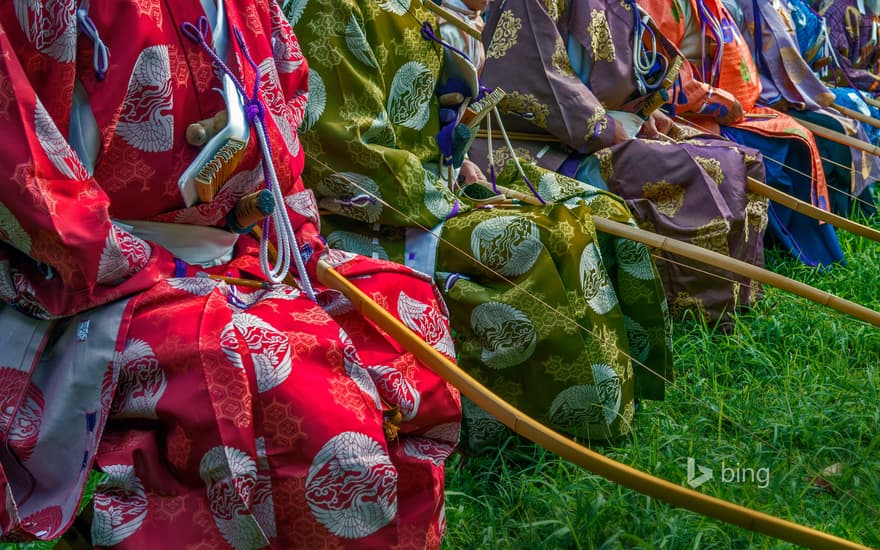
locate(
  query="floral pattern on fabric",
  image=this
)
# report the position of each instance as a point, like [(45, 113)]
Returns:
[(527, 287), (220, 415)]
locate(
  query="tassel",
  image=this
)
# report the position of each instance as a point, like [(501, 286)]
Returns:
[(391, 426)]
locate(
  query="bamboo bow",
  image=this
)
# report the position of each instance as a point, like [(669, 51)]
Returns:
[(566, 448), (755, 186), (712, 258)]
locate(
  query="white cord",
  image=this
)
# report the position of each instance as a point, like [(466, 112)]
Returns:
[(489, 136), (512, 150), (285, 237), (643, 61)]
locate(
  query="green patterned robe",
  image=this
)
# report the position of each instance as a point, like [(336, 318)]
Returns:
[(566, 324)]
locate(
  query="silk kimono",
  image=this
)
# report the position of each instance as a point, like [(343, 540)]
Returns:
[(219, 415), (581, 75), (854, 32), (815, 46), (789, 83), (565, 323), (724, 70)]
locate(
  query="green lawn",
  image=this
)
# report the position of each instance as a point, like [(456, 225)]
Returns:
[(792, 394), (794, 389)]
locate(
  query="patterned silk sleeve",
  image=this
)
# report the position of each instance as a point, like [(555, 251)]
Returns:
[(370, 126), (692, 95), (524, 35), (60, 253), (854, 37)]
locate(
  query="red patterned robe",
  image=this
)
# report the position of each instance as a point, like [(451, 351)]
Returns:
[(221, 415)]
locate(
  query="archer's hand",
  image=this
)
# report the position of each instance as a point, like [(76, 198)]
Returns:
[(657, 124), (470, 173)]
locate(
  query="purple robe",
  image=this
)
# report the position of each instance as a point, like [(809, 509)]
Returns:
[(853, 33), (785, 75), (580, 59), (788, 82)]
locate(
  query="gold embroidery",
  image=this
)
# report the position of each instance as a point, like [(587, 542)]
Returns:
[(680, 132), (606, 164), (505, 35), (755, 291), (527, 107), (756, 215), (599, 118), (555, 9), (606, 347), (600, 37), (502, 157), (685, 302), (563, 235), (713, 236), (667, 198), (560, 59), (629, 412), (712, 167)]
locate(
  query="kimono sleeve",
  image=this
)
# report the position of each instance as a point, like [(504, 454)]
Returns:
[(369, 128), (59, 251), (852, 75), (526, 52), (691, 95)]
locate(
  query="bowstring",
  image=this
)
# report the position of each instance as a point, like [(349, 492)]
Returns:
[(537, 299), (562, 314)]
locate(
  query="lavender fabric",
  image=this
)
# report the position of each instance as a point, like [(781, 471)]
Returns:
[(688, 187)]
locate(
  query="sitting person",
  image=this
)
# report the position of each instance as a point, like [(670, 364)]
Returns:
[(719, 91), (567, 324), (854, 36), (788, 83), (143, 333), (584, 91), (814, 41)]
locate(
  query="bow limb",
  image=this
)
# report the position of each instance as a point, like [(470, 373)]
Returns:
[(837, 137), (568, 449), (807, 209), (871, 101), (855, 115), (715, 259), (756, 187), (451, 18)]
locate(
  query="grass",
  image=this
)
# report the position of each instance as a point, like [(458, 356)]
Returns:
[(793, 389)]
